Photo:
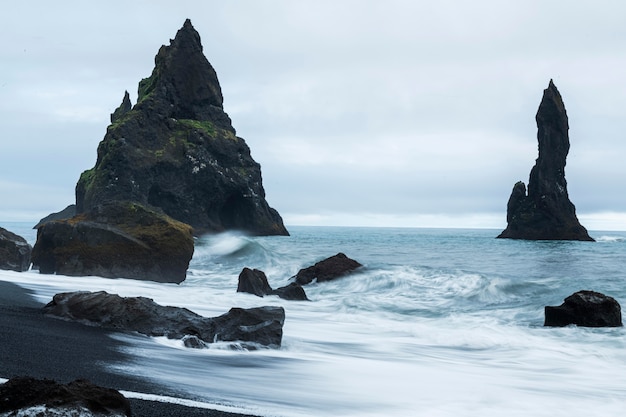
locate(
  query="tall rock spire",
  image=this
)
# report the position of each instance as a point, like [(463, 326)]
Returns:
[(177, 150), (546, 212)]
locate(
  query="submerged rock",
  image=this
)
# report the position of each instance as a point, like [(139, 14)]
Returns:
[(293, 291), (15, 252), (177, 150), (330, 268), (585, 308), (262, 325), (546, 213), (116, 240), (23, 396), (255, 282)]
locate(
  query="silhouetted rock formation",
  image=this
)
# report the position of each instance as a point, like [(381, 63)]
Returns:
[(585, 308), (262, 325), (67, 213), (116, 240), (546, 213), (122, 109), (254, 281), (24, 396), (330, 268), (177, 150), (15, 252)]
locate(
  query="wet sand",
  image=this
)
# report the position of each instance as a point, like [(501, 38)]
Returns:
[(34, 345)]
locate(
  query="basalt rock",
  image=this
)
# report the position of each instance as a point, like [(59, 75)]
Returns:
[(176, 149), (67, 213), (585, 308), (15, 252), (330, 268), (116, 240), (23, 396), (255, 282), (546, 212), (262, 325), (122, 109)]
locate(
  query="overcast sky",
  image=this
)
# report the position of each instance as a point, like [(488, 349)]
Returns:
[(370, 113)]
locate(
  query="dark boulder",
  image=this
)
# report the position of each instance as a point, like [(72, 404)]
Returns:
[(585, 308), (176, 149), (43, 397), (546, 213), (67, 213), (330, 268), (293, 291), (262, 325), (255, 282), (116, 240), (15, 252)]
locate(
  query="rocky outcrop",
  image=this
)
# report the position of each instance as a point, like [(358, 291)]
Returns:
[(15, 252), (176, 149), (23, 396), (546, 213), (293, 291), (585, 308), (122, 109), (330, 268), (262, 326), (116, 240), (254, 281), (67, 213)]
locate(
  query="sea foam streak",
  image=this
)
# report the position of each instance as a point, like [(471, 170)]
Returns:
[(437, 323)]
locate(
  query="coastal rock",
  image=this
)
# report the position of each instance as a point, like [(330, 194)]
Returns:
[(15, 252), (23, 396), (67, 213), (116, 240), (330, 268), (255, 282), (585, 308), (176, 149), (546, 213), (262, 325), (122, 109), (293, 291)]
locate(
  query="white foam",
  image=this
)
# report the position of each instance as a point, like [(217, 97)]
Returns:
[(455, 332)]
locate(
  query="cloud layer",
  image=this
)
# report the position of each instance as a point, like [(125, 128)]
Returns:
[(360, 112)]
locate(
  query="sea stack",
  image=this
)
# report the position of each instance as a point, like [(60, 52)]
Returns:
[(176, 150), (546, 212)]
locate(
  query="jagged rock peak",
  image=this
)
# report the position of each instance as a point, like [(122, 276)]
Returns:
[(183, 80), (177, 151), (122, 109), (546, 213)]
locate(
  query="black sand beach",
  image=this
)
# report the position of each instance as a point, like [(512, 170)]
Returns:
[(43, 347)]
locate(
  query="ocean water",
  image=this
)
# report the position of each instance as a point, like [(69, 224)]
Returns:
[(438, 322)]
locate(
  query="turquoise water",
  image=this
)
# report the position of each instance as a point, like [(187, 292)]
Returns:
[(438, 322)]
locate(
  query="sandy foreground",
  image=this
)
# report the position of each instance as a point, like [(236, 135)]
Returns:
[(32, 344)]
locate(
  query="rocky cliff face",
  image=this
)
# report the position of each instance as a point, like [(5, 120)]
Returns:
[(546, 212), (177, 150), (115, 240)]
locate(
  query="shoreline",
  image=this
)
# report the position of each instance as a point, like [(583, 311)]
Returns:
[(42, 347)]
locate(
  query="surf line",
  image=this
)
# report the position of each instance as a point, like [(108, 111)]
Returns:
[(180, 401)]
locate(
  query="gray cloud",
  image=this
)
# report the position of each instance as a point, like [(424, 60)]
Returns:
[(359, 110)]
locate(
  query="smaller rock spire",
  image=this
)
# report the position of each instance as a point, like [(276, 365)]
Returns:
[(546, 213), (122, 109)]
